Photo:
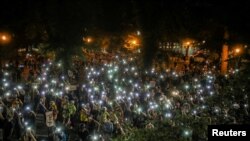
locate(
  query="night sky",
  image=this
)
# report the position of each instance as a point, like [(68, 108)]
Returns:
[(187, 16)]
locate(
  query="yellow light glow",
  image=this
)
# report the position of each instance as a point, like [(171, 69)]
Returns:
[(89, 40), (134, 42), (4, 38), (237, 50)]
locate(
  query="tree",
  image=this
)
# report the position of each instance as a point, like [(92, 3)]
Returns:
[(64, 26)]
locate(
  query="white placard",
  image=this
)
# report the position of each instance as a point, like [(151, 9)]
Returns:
[(49, 119)]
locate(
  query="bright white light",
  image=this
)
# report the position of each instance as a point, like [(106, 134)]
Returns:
[(203, 106), (53, 81), (194, 112), (138, 33), (211, 93), (28, 108), (139, 110), (186, 133), (43, 93), (95, 137), (58, 129), (133, 68), (96, 88), (202, 99), (7, 94), (161, 76), (19, 87), (136, 85), (168, 115), (216, 110), (175, 93), (6, 84), (100, 102), (67, 88), (60, 92), (29, 128)]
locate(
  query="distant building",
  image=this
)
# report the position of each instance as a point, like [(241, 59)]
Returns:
[(180, 47)]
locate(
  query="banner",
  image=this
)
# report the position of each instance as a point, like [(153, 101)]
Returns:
[(49, 119), (71, 87)]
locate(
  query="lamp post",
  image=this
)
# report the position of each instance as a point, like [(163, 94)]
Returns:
[(237, 55), (187, 46), (187, 49), (4, 39)]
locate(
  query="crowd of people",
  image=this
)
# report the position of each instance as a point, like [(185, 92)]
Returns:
[(106, 96)]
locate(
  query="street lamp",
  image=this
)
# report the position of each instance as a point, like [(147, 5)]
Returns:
[(4, 38), (187, 50), (134, 42), (237, 50), (238, 57), (87, 39)]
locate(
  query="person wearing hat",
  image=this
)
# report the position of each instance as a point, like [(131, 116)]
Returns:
[(69, 111), (53, 108), (65, 111), (84, 115), (104, 115), (72, 108)]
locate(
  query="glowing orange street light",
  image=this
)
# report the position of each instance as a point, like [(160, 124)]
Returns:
[(134, 42), (237, 50), (89, 40), (4, 38)]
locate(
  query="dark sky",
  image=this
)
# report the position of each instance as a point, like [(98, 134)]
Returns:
[(115, 15)]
